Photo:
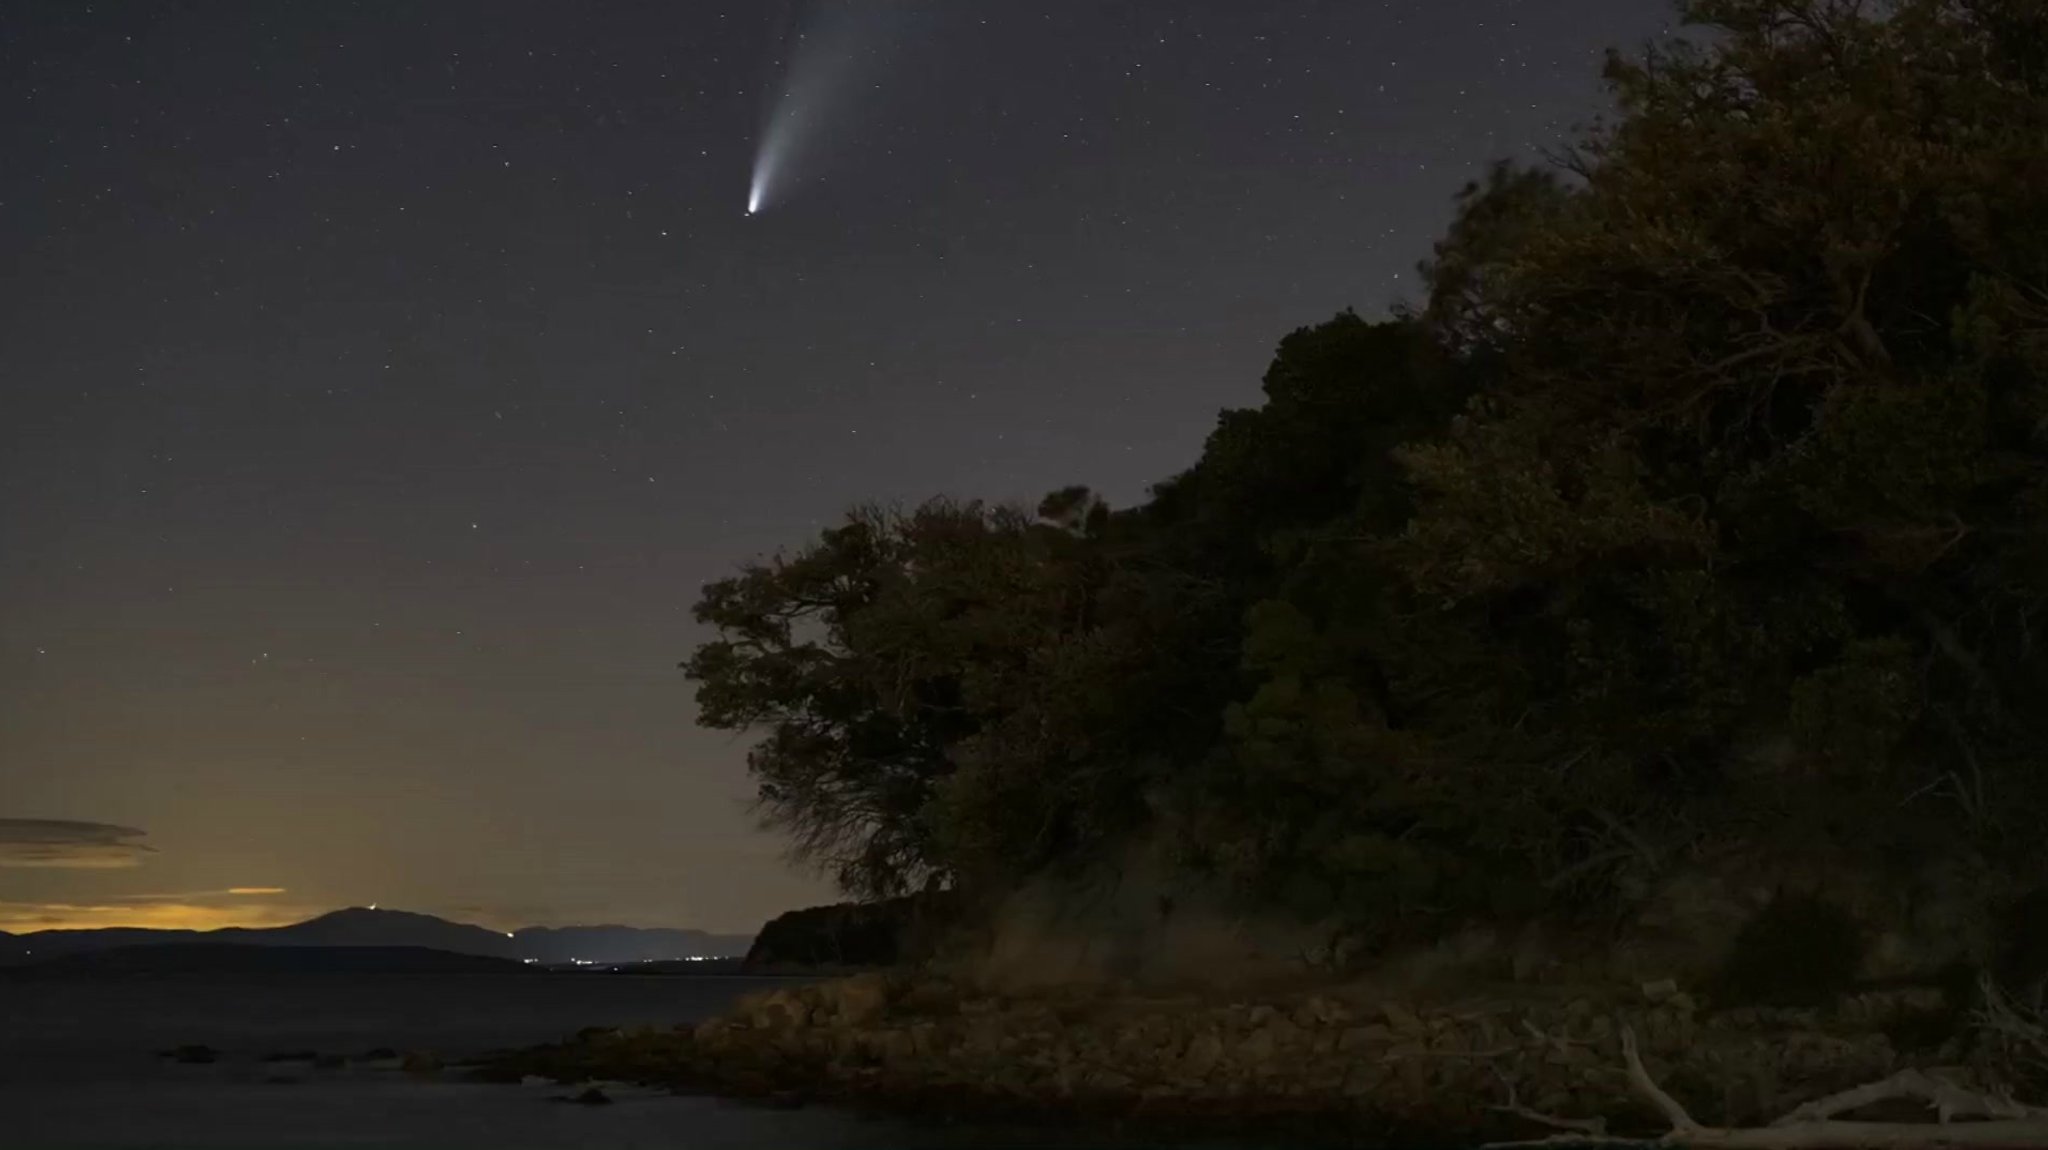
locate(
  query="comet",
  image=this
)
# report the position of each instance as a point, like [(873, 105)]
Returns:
[(837, 45)]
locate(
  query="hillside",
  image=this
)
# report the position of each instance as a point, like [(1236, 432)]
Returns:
[(357, 927)]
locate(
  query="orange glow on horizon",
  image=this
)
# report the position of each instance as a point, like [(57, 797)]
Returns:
[(25, 917)]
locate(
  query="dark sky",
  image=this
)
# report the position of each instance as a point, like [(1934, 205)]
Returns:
[(379, 381)]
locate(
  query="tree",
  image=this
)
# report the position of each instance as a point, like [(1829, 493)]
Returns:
[(841, 657), (1769, 428), (1737, 429)]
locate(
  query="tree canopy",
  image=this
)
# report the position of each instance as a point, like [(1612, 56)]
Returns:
[(1730, 433)]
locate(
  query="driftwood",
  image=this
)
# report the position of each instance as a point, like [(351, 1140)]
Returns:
[(2003, 1124)]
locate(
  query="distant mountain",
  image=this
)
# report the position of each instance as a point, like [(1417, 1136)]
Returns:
[(243, 958), (558, 944), (368, 926), (372, 927)]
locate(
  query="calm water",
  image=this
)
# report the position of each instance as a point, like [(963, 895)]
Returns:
[(77, 1069)]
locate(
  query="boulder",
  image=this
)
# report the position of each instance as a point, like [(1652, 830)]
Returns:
[(1403, 1020), (858, 1001), (1258, 1049), (897, 1047), (1320, 1011), (1370, 1037), (1204, 1053), (775, 1010)]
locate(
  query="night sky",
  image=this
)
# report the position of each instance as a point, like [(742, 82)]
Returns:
[(380, 381)]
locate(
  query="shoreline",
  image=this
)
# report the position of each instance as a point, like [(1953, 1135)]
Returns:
[(1335, 1064)]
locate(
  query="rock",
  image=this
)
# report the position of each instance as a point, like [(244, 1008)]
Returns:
[(1109, 1082), (1406, 1052), (192, 1054), (1402, 1019), (1361, 1081), (420, 1062), (290, 1056), (859, 1001), (776, 1010), (933, 997), (1205, 1051), (1357, 1038), (899, 1046), (1600, 1029), (1320, 1011), (1662, 990), (590, 1097), (380, 1054), (1258, 1047)]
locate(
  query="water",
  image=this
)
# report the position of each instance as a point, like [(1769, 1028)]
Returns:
[(78, 1069)]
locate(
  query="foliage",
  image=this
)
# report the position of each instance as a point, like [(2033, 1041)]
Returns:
[(1799, 950), (1734, 429), (2021, 964)]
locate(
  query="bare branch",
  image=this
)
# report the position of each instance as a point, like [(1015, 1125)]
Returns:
[(1948, 1100), (1639, 1077), (1586, 1127), (2010, 1126)]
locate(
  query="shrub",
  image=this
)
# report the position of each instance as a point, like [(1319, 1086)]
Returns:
[(1800, 950)]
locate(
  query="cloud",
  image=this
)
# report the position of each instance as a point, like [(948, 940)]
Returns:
[(25, 917), (201, 895), (67, 844)]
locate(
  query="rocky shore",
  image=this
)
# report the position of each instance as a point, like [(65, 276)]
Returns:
[(1339, 1061)]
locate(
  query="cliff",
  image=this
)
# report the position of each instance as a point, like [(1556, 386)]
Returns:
[(856, 935)]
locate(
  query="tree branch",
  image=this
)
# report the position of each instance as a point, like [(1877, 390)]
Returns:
[(1813, 1126)]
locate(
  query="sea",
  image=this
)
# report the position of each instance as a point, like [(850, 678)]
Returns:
[(80, 1069)]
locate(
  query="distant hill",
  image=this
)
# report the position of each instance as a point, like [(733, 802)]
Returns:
[(625, 944), (234, 958), (373, 927)]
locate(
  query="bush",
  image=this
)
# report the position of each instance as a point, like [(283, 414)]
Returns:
[(1801, 950), (2021, 966)]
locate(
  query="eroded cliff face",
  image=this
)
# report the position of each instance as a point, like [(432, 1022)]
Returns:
[(1146, 923), (1142, 923)]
